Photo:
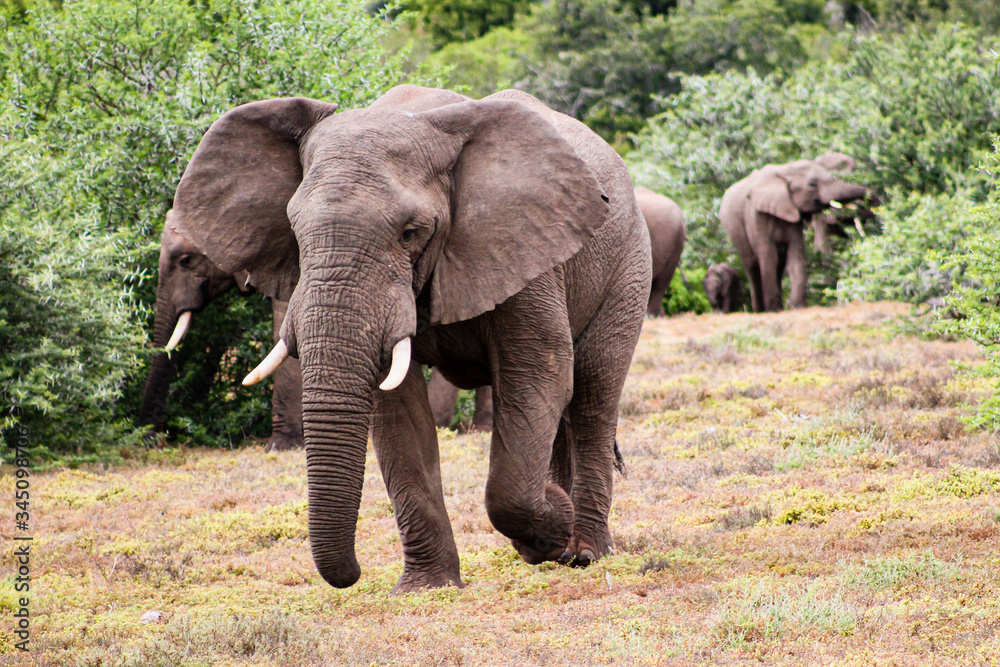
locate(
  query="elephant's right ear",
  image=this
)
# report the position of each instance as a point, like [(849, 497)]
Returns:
[(231, 200), (771, 196)]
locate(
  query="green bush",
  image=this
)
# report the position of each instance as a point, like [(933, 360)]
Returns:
[(686, 293), (912, 260), (975, 302), (110, 97), (914, 109)]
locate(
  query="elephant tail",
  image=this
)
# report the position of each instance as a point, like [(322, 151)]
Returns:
[(620, 461)]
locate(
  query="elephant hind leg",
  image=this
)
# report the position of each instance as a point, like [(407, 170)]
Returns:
[(602, 355), (660, 284)]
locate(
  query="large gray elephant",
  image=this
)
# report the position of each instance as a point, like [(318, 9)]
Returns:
[(666, 241), (763, 214), (188, 281), (665, 223), (496, 240)]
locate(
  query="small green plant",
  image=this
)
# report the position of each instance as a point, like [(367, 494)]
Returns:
[(892, 573)]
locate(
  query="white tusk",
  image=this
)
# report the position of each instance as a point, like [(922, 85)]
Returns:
[(270, 364), (836, 204), (857, 225), (400, 365), (183, 322)]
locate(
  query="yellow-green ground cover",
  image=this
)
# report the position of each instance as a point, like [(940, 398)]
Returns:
[(800, 491)]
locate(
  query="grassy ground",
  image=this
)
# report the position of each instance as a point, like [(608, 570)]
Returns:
[(800, 491)]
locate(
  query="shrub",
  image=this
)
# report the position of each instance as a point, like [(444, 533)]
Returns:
[(975, 300), (103, 103), (914, 109)]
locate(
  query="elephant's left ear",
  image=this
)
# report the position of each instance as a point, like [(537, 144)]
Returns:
[(522, 203), (771, 195)]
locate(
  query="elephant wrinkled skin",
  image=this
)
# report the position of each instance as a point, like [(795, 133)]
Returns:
[(188, 281), (665, 223), (763, 214), (501, 238)]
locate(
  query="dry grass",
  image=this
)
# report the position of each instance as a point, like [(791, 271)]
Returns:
[(801, 491)]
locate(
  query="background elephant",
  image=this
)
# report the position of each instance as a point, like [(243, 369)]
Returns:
[(722, 285), (496, 240), (188, 281), (763, 216), (666, 241)]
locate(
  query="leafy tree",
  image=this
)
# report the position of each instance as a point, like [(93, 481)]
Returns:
[(598, 62), (975, 301), (451, 21), (913, 109), (103, 103)]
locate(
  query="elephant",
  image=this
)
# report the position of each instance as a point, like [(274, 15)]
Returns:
[(666, 238), (496, 240), (666, 235), (763, 215), (722, 285), (188, 281)]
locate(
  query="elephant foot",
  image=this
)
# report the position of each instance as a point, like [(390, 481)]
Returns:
[(414, 581), (553, 538), (582, 551), (280, 442)]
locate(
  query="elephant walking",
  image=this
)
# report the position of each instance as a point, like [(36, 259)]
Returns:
[(188, 281), (665, 223), (496, 240), (763, 215), (666, 241)]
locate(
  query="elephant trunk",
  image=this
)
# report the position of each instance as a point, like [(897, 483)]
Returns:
[(152, 410), (843, 192), (341, 354)]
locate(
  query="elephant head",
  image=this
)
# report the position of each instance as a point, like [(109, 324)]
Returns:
[(826, 224), (188, 282), (797, 190), (378, 223)]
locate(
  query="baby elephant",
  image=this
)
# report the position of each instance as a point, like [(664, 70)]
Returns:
[(722, 285), (666, 240)]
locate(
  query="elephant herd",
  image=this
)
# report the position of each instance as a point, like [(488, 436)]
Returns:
[(497, 241)]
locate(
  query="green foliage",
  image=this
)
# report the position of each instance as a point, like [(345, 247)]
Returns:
[(598, 62), (67, 341), (686, 293), (452, 21), (913, 109), (976, 298), (719, 35), (913, 259), (110, 97), (484, 66)]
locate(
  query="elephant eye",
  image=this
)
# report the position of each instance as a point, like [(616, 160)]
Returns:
[(407, 235), (185, 261)]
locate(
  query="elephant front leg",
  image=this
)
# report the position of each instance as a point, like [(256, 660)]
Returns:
[(770, 280), (286, 408), (286, 397), (406, 444), (797, 270), (532, 371)]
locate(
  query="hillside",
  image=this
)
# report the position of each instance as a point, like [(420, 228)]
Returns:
[(800, 490)]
